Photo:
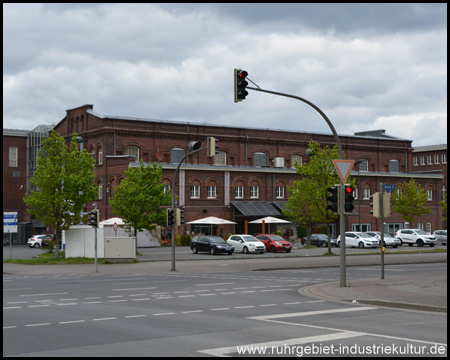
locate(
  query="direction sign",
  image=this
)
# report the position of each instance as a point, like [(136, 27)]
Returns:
[(10, 222), (343, 168), (389, 188)]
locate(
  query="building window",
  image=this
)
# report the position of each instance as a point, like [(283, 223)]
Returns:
[(100, 155), (394, 166), (177, 155), (363, 165), (239, 192), (436, 158), (132, 150), (444, 158), (260, 159), (422, 159), (100, 190), (430, 194), (366, 193), (167, 189), (280, 192), (211, 191), (195, 191), (415, 161), (13, 156), (93, 153), (297, 158), (220, 158), (254, 192), (430, 159)]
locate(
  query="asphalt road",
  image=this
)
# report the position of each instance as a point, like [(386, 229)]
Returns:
[(209, 314)]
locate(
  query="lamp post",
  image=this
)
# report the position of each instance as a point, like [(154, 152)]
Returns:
[(194, 146)]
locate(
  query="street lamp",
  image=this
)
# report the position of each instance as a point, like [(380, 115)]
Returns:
[(194, 146)]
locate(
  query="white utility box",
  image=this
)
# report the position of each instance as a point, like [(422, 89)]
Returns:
[(120, 248)]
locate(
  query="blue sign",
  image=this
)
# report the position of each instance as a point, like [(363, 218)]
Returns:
[(10, 222), (389, 188)]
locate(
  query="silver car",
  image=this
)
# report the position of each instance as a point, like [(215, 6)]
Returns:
[(441, 236), (388, 239)]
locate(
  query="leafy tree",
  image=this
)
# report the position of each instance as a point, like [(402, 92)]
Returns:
[(139, 197), (64, 179), (410, 199), (444, 208), (307, 203)]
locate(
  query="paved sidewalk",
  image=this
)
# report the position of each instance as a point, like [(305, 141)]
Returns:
[(424, 292)]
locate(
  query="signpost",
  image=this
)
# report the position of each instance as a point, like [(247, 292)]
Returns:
[(10, 226)]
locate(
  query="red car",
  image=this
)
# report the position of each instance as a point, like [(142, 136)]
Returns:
[(275, 243)]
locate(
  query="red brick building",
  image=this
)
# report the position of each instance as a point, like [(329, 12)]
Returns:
[(249, 176), (246, 180)]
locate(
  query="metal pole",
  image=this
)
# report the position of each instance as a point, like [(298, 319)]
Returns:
[(343, 280), (96, 264), (173, 203)]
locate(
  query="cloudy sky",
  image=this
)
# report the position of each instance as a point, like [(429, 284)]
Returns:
[(367, 66)]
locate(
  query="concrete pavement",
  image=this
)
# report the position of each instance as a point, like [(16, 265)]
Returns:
[(421, 292)]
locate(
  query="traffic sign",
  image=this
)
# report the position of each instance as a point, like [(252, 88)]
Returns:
[(343, 168), (389, 188), (10, 222)]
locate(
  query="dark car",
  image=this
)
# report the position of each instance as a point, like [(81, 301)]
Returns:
[(320, 240), (275, 243), (212, 244)]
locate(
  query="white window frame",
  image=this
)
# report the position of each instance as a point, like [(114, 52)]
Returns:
[(100, 155), (239, 192), (132, 150), (195, 191), (211, 191), (220, 158), (279, 192), (13, 156), (254, 192)]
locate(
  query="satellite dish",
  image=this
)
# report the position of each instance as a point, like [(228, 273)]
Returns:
[(159, 155)]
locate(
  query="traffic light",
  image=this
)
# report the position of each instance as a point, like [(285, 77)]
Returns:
[(93, 218), (348, 202), (179, 217), (211, 146), (240, 84), (386, 204), (333, 198), (170, 217), (375, 204)]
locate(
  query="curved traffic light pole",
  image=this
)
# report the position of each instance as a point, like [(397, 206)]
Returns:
[(342, 193)]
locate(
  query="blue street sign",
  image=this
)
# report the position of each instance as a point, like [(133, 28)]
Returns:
[(10, 222), (389, 188)]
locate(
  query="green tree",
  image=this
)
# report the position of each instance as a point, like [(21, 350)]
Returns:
[(64, 179), (409, 200), (444, 208), (307, 203), (139, 197)]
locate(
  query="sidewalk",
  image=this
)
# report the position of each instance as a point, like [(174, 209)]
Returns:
[(421, 292)]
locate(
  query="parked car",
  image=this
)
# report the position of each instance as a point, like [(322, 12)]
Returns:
[(36, 240), (274, 243), (415, 236), (388, 239), (441, 236), (359, 239), (212, 244), (320, 240), (246, 243)]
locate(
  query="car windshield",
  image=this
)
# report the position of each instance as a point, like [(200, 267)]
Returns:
[(322, 236), (250, 238), (363, 234), (420, 232), (216, 239), (276, 238)]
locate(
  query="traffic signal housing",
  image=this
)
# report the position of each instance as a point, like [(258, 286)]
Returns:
[(348, 201), (240, 84), (179, 217), (333, 198), (93, 218), (170, 217), (211, 146), (375, 204)]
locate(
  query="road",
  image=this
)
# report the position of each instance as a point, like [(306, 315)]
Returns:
[(209, 314)]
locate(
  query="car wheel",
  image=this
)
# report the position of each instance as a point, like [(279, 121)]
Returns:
[(410, 244), (338, 244), (420, 243), (431, 245), (394, 246), (272, 249), (361, 245), (324, 244), (37, 246), (401, 242), (212, 251), (245, 250), (194, 250), (230, 253)]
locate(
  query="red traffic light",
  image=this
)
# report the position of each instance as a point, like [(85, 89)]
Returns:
[(349, 189), (242, 74)]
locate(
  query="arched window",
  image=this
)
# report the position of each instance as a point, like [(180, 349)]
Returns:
[(220, 158), (259, 159), (177, 155), (132, 150), (100, 155), (297, 158)]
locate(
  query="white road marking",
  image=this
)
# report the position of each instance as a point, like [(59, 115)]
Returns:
[(64, 293)]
